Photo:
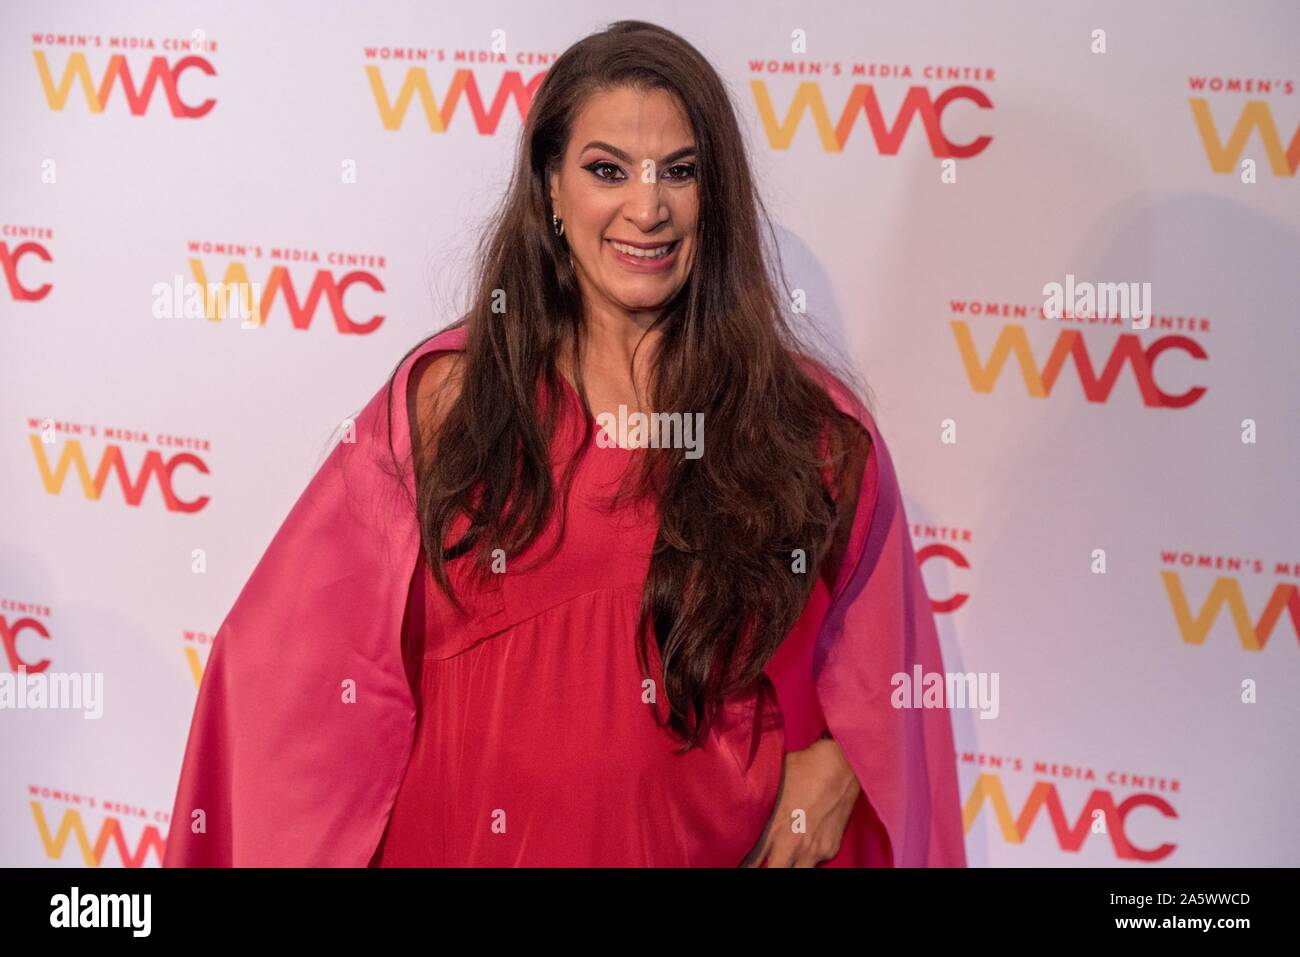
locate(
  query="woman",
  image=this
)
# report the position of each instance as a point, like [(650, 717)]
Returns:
[(551, 647)]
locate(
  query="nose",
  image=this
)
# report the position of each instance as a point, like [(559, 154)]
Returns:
[(645, 206)]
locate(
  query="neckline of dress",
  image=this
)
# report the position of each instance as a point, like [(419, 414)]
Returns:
[(577, 401)]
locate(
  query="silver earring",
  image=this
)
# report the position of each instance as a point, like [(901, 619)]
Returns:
[(557, 224)]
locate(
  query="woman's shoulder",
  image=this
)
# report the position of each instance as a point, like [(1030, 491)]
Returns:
[(449, 342), (857, 426), (435, 371), (838, 386)]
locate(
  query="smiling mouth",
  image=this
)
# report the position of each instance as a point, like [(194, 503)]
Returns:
[(650, 254)]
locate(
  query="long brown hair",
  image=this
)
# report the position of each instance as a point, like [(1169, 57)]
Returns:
[(721, 594)]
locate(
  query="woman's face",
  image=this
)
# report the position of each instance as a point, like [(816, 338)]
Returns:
[(628, 177)]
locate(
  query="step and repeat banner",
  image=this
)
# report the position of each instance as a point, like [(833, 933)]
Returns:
[(1061, 243)]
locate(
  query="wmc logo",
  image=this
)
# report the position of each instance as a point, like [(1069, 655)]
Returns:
[(325, 286), (9, 632), (112, 461), (1040, 379), (1100, 815), (463, 83), (941, 550), (139, 94), (887, 135), (9, 260), (195, 654), (1255, 116), (1226, 590), (55, 839)]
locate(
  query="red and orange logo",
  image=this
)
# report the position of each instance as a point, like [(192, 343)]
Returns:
[(465, 84), (154, 469), (11, 629), (939, 546), (129, 67), (256, 301), (887, 135), (58, 818), (1227, 591), (1097, 378), (16, 244), (1099, 815), (1254, 122)]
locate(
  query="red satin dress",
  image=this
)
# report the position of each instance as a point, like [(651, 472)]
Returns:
[(536, 743)]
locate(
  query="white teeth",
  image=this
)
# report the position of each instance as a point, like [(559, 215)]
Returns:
[(657, 253)]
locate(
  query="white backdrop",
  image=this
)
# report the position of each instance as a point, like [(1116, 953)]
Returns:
[(1147, 712)]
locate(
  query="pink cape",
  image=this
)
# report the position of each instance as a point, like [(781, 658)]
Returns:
[(305, 719)]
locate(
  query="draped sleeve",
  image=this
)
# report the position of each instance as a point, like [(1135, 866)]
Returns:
[(879, 623), (305, 718)]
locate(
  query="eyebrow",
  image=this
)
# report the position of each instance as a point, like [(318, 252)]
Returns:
[(674, 155)]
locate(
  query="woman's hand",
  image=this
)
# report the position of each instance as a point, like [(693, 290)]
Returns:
[(818, 782)]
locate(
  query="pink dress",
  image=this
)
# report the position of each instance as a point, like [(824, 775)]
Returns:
[(305, 725), (535, 741)]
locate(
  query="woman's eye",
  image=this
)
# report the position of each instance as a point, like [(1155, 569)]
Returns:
[(595, 168), (678, 172)]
